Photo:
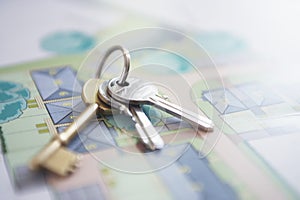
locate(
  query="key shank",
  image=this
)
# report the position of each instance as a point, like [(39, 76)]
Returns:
[(194, 119), (78, 124), (147, 128)]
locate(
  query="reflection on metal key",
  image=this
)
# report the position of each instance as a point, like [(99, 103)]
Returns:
[(147, 133), (138, 92)]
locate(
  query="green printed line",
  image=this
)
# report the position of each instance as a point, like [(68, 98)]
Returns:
[(43, 131), (41, 125), (31, 101), (3, 144), (72, 60), (33, 106)]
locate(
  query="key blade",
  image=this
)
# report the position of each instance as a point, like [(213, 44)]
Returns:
[(147, 127), (82, 120), (139, 92), (194, 119), (144, 138)]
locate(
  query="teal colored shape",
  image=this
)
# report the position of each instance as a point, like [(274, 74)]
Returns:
[(152, 113), (219, 43), (6, 96), (165, 63), (177, 63), (122, 122), (11, 110), (67, 42), (24, 92), (12, 100), (125, 122), (7, 86)]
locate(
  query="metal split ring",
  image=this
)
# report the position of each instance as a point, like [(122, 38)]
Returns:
[(122, 79)]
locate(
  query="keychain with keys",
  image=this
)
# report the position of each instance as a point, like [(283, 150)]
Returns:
[(134, 92), (57, 159), (119, 94), (147, 133)]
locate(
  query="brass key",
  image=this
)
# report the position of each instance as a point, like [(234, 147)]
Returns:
[(54, 156)]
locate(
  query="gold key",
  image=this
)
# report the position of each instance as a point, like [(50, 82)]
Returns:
[(54, 156)]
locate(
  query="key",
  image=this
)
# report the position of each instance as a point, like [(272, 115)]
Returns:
[(147, 133), (54, 156), (145, 126), (138, 92)]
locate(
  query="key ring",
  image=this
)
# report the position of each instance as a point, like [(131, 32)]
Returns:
[(122, 79)]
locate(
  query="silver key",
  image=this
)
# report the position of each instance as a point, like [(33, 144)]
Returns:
[(145, 129), (105, 98), (137, 92), (142, 122)]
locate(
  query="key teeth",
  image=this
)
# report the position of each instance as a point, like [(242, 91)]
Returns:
[(146, 147), (70, 171), (62, 162), (74, 166), (77, 163), (152, 147), (163, 96)]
